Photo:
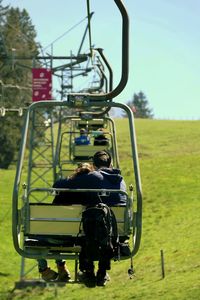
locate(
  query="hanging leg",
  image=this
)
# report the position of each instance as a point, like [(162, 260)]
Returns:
[(76, 269)]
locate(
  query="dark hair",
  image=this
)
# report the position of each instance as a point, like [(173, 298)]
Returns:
[(82, 130), (102, 159)]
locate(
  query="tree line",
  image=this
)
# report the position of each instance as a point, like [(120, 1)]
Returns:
[(17, 38)]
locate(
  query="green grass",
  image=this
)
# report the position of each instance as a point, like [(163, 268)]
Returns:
[(169, 153)]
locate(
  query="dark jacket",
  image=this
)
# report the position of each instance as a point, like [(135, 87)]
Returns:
[(82, 181), (104, 178), (101, 140), (82, 140), (112, 179)]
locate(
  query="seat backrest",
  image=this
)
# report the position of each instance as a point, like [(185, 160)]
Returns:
[(87, 150), (64, 220), (64, 171)]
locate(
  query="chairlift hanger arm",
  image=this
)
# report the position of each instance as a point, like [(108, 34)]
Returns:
[(89, 26), (84, 35), (125, 60), (100, 51), (78, 60), (102, 79)]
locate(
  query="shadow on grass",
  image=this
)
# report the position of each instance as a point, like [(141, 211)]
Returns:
[(4, 274)]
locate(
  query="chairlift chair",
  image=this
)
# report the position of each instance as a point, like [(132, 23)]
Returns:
[(35, 221)]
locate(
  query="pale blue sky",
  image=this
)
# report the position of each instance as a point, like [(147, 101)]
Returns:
[(164, 46)]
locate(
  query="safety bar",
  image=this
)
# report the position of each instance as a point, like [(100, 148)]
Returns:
[(58, 190)]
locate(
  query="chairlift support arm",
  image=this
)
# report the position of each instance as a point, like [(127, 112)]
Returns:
[(100, 51), (125, 61)]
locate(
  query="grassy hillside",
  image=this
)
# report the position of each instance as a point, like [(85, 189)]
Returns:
[(169, 153)]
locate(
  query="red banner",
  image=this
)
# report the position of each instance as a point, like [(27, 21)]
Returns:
[(41, 84)]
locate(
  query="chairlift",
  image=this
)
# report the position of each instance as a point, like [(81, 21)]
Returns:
[(37, 195), (41, 229), (80, 153)]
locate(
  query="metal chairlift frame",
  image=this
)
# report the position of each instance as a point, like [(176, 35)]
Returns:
[(138, 190), (86, 101), (70, 132)]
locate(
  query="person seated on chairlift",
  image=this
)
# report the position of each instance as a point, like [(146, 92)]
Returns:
[(100, 138), (62, 274), (102, 176), (109, 178), (85, 177), (83, 139)]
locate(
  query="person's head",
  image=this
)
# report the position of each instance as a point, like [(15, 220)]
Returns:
[(83, 168), (102, 159), (82, 131), (101, 131)]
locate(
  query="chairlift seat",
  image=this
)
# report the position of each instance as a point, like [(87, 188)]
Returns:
[(91, 124), (87, 151), (57, 228)]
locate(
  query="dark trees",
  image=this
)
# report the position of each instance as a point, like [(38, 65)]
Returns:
[(17, 39), (140, 106)]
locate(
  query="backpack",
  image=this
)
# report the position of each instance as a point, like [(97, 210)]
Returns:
[(100, 228)]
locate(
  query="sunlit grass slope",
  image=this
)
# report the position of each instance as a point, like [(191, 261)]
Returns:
[(169, 153)]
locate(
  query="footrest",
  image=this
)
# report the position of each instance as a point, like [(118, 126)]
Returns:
[(53, 244)]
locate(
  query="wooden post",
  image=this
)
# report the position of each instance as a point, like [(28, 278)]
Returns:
[(162, 263)]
